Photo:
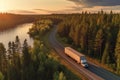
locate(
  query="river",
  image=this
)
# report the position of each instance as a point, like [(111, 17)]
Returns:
[(21, 31)]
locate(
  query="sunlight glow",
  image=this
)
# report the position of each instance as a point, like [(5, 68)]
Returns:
[(3, 7), (48, 6)]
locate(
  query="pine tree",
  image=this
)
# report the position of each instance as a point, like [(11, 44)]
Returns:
[(117, 53), (9, 52), (105, 56), (17, 44), (2, 58), (61, 76), (1, 76), (98, 43), (56, 76), (26, 65), (26, 55), (13, 47)]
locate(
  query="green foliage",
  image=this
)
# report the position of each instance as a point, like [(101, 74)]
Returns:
[(46, 67), (61, 76), (94, 34), (21, 62), (98, 43), (105, 57), (1, 76), (25, 63), (117, 52), (40, 27), (3, 62)]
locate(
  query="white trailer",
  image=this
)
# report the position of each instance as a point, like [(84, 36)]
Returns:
[(80, 58)]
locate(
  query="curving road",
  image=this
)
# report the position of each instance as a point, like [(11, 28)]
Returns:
[(94, 72)]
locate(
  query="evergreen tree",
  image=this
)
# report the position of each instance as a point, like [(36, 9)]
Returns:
[(26, 54), (62, 76), (117, 52), (17, 44), (2, 58), (9, 50), (105, 56), (26, 61), (56, 76), (98, 43), (13, 47), (1, 76)]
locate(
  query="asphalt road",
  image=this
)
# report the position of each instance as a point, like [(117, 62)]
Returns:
[(93, 72)]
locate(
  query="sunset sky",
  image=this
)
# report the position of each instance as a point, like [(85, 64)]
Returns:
[(57, 6)]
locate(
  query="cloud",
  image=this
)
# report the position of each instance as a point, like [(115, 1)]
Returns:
[(26, 11), (22, 11), (112, 8), (44, 10), (76, 8), (32, 11), (78, 2), (92, 3), (72, 9)]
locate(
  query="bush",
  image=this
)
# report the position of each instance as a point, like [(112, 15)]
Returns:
[(1, 76)]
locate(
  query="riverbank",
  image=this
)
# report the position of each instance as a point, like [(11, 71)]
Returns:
[(37, 33), (8, 21), (20, 30)]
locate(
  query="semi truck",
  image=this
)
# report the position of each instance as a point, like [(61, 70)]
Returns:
[(78, 57)]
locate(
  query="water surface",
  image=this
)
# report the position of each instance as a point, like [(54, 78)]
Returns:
[(21, 31)]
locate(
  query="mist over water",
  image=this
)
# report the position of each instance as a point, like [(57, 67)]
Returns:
[(21, 31)]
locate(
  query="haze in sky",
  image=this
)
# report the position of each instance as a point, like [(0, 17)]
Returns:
[(57, 6)]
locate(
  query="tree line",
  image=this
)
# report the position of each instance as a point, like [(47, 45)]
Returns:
[(54, 70), (8, 20), (22, 62), (40, 28), (96, 35)]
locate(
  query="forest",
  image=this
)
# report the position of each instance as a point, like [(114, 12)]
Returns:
[(23, 62), (96, 35)]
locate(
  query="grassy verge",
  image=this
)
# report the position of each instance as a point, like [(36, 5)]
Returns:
[(54, 55)]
